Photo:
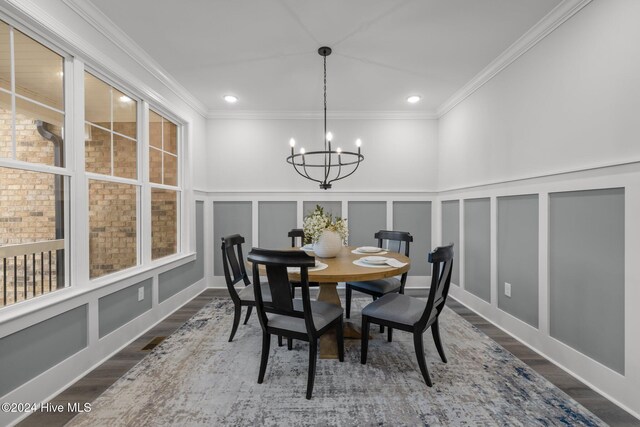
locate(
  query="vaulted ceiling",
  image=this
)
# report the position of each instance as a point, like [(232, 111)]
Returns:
[(265, 51)]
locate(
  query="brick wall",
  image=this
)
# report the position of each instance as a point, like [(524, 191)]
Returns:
[(112, 227), (164, 222)]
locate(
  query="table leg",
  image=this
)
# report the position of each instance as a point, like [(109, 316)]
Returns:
[(328, 346)]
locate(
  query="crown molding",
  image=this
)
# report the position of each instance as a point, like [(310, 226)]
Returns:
[(105, 26), (313, 115), (533, 36)]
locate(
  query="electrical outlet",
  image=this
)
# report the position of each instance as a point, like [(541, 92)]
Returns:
[(141, 293), (507, 289)]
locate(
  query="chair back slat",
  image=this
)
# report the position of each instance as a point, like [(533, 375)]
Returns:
[(395, 241), (294, 234), (442, 260), (233, 263), (276, 263), (278, 279)]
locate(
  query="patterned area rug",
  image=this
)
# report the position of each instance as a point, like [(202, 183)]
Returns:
[(196, 377)]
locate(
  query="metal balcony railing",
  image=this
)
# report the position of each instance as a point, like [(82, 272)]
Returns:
[(30, 270)]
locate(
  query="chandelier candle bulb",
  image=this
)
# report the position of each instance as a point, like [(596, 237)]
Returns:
[(292, 142), (329, 136), (358, 142)]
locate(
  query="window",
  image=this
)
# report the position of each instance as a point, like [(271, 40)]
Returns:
[(33, 178), (165, 193), (36, 181), (111, 163)]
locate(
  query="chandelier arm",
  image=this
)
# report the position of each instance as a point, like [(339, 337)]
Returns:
[(327, 170), (338, 174), (349, 174), (299, 173), (291, 161), (304, 166)]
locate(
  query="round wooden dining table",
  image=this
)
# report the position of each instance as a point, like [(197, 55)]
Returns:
[(342, 269)]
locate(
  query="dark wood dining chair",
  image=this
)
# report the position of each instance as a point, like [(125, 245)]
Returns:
[(295, 234), (234, 273), (395, 241), (282, 315), (397, 311)]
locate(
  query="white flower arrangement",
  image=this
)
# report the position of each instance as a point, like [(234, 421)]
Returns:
[(318, 221)]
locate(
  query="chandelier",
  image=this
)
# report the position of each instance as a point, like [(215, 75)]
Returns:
[(328, 165)]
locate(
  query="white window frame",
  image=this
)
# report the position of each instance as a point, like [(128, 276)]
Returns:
[(177, 188), (66, 171), (93, 176)]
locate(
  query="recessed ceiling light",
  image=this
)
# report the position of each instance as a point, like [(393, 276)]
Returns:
[(125, 98), (413, 99), (231, 99)]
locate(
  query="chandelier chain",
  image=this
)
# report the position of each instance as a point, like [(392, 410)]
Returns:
[(325, 102)]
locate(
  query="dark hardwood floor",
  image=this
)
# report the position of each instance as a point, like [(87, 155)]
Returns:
[(96, 382)]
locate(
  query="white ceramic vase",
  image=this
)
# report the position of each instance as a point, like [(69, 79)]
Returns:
[(328, 245)]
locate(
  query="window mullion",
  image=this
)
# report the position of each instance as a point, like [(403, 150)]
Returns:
[(13, 94), (146, 187), (111, 133), (80, 185)]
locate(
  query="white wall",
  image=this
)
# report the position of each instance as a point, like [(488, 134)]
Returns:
[(249, 155), (571, 102)]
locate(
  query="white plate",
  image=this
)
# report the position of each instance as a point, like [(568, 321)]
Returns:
[(370, 249), (375, 260)]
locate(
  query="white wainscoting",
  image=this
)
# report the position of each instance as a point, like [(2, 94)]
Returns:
[(256, 197), (620, 388)]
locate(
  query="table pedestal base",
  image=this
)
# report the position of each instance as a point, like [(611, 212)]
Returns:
[(328, 345)]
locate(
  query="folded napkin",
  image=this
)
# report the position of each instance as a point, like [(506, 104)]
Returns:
[(395, 263)]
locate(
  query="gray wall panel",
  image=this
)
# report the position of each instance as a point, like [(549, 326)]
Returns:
[(276, 220), (415, 217), (230, 218), (334, 208), (173, 281), (451, 234), (364, 219), (477, 247), (518, 256), (118, 308), (586, 273), (31, 351)]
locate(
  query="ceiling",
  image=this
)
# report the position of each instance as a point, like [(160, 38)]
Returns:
[(265, 51)]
